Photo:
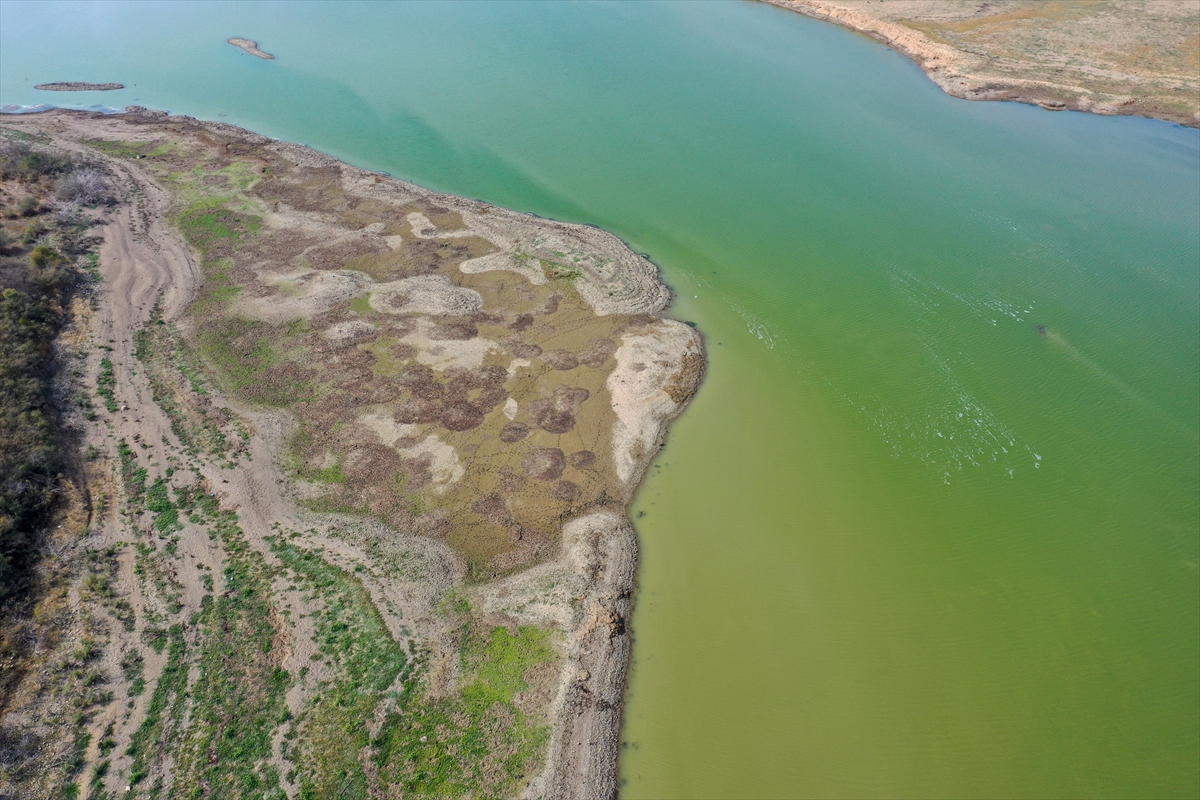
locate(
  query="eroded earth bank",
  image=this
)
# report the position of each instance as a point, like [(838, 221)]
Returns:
[(1114, 57), (357, 481)]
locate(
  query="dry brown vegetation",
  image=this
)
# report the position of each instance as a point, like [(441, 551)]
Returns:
[(463, 399), (49, 639), (1107, 56), (487, 423)]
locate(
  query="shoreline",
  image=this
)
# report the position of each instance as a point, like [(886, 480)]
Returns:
[(951, 69), (598, 549)]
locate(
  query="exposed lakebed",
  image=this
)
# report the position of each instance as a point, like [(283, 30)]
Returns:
[(900, 544)]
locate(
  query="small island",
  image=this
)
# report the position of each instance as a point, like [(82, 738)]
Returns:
[(251, 47), (77, 86)]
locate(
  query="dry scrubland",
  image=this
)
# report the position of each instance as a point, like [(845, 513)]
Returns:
[(351, 519), (1105, 56)]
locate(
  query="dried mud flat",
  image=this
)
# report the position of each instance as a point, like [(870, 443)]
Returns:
[(1116, 57), (433, 410)]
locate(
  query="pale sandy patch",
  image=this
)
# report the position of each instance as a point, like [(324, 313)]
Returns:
[(527, 268), (304, 294), (442, 354), (445, 468), (348, 330), (516, 364), (422, 228), (646, 364), (425, 294)]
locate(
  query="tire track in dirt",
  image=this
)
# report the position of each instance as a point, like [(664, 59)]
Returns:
[(145, 263)]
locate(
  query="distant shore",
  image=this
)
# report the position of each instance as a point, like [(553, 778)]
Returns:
[(251, 47), (970, 75), (77, 86)]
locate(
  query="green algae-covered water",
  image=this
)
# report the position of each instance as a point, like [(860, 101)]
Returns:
[(903, 543)]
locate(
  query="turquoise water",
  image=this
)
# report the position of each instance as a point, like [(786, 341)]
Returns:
[(901, 544)]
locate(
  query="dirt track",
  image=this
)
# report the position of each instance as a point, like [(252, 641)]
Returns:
[(144, 262)]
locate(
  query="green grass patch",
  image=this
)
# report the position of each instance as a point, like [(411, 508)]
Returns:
[(386, 364), (362, 305), (133, 668), (106, 383), (239, 351), (159, 501), (366, 661), (132, 476), (238, 697), (478, 743), (559, 271), (120, 149), (154, 738), (332, 474), (208, 224), (164, 149)]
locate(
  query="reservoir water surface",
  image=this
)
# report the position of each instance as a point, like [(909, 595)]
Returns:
[(932, 525)]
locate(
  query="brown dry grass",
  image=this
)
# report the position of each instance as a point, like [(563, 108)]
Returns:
[(462, 469), (1108, 56)]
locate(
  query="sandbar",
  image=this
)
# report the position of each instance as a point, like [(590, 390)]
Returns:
[(251, 47), (78, 86)]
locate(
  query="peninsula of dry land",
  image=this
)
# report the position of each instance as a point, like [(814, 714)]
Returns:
[(1137, 57), (351, 521), (251, 47)]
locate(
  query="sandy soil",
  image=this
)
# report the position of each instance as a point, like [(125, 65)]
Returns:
[(585, 590), (1122, 57)]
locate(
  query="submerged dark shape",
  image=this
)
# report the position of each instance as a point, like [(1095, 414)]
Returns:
[(1042, 331)]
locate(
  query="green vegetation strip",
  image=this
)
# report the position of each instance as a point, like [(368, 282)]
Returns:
[(132, 476), (153, 738), (106, 383), (477, 743), (367, 661), (238, 698)]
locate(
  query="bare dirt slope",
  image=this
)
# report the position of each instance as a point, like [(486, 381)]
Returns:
[(374, 447), (1105, 56)]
